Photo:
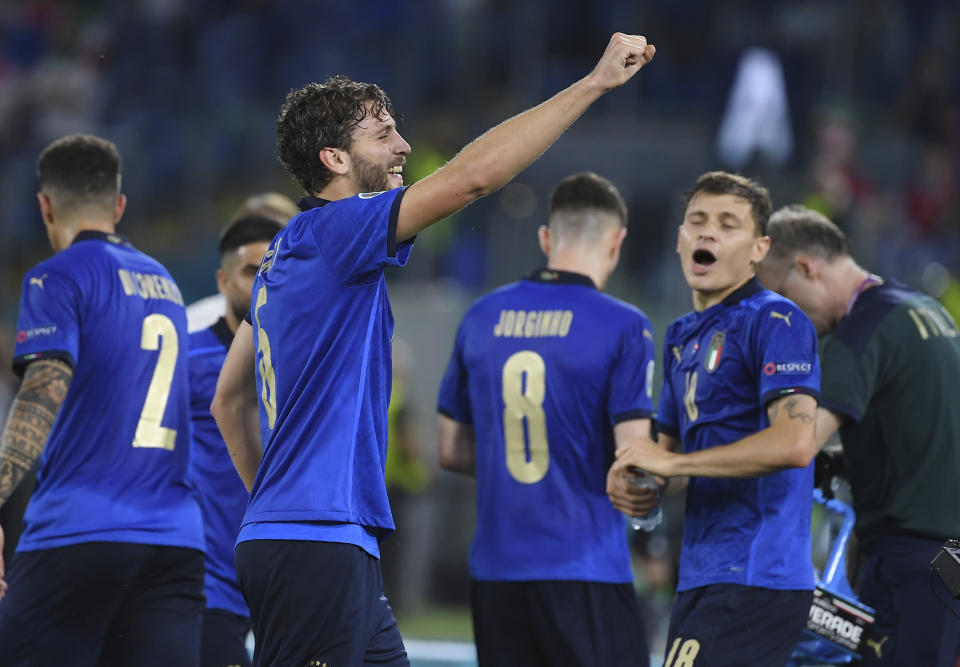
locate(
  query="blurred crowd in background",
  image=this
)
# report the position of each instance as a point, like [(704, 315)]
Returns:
[(851, 107)]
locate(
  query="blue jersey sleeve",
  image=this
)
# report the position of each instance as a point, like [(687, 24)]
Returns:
[(786, 350), (631, 386), (454, 396), (668, 420), (49, 322), (359, 236)]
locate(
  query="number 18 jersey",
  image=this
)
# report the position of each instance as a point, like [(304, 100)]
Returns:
[(722, 368), (114, 466), (543, 369)]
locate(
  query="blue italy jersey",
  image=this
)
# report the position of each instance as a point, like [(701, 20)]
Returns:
[(322, 328), (543, 369), (115, 464), (222, 495), (722, 367)]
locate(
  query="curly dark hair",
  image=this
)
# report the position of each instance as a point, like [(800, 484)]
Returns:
[(322, 115), (725, 183)]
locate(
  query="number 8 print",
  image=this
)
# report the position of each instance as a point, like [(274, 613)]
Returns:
[(525, 401)]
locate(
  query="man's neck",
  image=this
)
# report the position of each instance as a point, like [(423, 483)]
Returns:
[(850, 281), (703, 300), (577, 263), (65, 233), (338, 188)]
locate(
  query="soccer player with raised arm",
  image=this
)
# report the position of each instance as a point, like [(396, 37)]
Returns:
[(547, 375), (109, 570), (308, 550), (222, 496), (740, 387)]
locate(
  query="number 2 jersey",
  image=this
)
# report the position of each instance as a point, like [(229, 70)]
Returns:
[(543, 369), (115, 463), (722, 367)]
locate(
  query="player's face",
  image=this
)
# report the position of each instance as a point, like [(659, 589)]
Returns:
[(238, 274), (718, 245), (377, 154)]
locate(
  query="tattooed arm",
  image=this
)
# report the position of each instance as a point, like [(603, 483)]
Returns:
[(31, 417), (787, 443)]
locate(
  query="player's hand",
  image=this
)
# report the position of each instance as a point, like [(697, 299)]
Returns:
[(625, 496), (3, 572), (624, 57)]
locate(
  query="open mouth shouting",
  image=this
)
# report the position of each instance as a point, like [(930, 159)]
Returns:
[(703, 259)]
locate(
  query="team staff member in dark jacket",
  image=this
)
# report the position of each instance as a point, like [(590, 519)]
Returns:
[(889, 376)]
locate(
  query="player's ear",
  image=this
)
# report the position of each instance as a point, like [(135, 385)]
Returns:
[(760, 249), (46, 208), (119, 208), (222, 281), (335, 159), (543, 235), (806, 266), (618, 236)]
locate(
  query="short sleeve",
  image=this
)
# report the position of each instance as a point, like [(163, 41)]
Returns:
[(631, 383), (358, 235), (668, 420), (849, 379), (49, 323), (454, 396), (786, 353)]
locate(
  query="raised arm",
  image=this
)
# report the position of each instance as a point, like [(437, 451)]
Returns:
[(494, 158), (34, 409), (456, 446), (787, 443), (235, 407)]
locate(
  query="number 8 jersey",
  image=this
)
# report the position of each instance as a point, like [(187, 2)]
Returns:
[(115, 463), (543, 369)]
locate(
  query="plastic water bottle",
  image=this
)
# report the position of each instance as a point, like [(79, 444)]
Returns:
[(650, 521)]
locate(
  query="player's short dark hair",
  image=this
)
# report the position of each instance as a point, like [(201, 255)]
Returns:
[(725, 183), (794, 229), (586, 190), (81, 167), (247, 229), (322, 115)]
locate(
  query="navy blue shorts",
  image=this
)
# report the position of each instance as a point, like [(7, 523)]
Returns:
[(103, 603), (913, 627), (224, 640), (545, 623), (317, 602), (729, 625)]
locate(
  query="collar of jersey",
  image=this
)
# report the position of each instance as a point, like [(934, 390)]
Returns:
[(555, 276), (221, 330), (306, 203), (747, 290), (93, 235)]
